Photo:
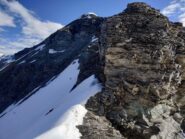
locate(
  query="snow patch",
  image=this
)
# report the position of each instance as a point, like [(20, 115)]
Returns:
[(91, 13), (52, 51), (94, 39), (40, 47), (22, 62), (33, 61)]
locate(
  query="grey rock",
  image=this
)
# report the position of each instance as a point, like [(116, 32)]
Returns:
[(96, 127), (143, 56)]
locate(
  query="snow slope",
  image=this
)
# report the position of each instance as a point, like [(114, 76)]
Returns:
[(53, 111)]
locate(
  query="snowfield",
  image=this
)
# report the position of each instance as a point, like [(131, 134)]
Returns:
[(53, 112)]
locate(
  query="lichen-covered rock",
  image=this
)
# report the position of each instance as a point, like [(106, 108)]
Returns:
[(96, 127), (143, 54)]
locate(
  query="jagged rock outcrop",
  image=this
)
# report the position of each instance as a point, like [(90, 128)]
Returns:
[(143, 54), (97, 127)]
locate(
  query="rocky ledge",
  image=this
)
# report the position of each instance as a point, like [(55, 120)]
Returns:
[(143, 54)]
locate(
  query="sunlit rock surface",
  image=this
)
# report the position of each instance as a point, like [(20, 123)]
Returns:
[(144, 60)]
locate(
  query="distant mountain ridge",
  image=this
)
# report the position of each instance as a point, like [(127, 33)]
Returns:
[(33, 67)]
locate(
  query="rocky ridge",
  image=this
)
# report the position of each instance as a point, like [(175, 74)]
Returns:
[(32, 68), (143, 55)]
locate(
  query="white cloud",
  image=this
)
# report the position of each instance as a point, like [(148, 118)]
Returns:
[(182, 18), (33, 26), (33, 30), (171, 9), (6, 20), (176, 8), (9, 47)]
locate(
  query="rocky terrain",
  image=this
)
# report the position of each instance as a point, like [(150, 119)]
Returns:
[(144, 71), (138, 56)]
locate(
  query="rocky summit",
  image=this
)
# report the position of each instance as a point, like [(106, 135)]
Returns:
[(143, 97), (138, 56)]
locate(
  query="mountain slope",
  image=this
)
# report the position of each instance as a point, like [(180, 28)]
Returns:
[(34, 67), (53, 110)]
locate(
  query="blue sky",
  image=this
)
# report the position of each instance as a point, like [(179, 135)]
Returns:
[(65, 11), (24, 23)]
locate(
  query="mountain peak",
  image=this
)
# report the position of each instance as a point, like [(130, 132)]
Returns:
[(89, 15), (140, 7)]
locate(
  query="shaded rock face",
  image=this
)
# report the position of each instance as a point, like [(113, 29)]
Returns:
[(33, 67), (144, 70)]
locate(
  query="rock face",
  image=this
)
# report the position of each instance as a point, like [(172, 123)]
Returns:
[(143, 54), (33, 67), (96, 127)]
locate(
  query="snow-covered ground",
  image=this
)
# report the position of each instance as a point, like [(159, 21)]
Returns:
[(94, 39), (53, 112), (52, 51)]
